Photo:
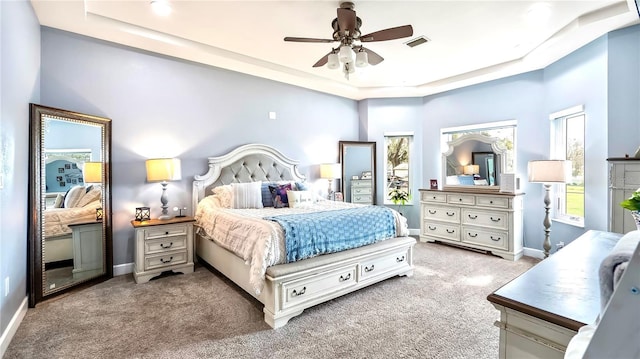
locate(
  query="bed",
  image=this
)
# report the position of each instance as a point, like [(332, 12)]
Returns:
[(77, 206), (286, 289)]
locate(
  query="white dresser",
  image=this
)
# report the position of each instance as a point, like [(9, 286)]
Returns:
[(624, 179), (163, 245), (485, 221), (361, 191)]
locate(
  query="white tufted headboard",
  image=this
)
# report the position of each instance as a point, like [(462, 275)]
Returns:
[(247, 163)]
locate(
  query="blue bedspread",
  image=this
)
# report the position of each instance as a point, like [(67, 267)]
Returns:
[(310, 234)]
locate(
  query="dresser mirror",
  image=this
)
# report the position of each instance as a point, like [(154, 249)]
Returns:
[(475, 157), (358, 180), (69, 201)]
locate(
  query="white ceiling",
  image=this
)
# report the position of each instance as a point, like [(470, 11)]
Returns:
[(470, 41)]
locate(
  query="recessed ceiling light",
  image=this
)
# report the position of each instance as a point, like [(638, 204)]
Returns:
[(161, 7)]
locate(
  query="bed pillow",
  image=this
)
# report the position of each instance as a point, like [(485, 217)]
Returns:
[(93, 195), (223, 196), (247, 195), (301, 186), (300, 198), (279, 194), (59, 201), (267, 200), (73, 196)]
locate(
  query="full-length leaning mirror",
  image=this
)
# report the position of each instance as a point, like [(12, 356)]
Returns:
[(358, 160), (69, 201)]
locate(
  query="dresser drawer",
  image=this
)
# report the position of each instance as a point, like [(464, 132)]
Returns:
[(496, 202), (360, 190), (442, 213), (165, 231), (498, 220), (164, 244), (361, 183), (381, 265), (166, 259), (361, 198), (487, 238), (461, 199), (310, 288), (442, 230), (433, 197)]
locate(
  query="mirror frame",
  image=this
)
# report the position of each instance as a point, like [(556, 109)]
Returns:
[(36, 200), (495, 148), (341, 150)]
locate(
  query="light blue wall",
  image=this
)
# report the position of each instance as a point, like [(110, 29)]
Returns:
[(19, 85), (162, 106)]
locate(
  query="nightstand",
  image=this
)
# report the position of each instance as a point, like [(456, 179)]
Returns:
[(163, 245), (87, 249)]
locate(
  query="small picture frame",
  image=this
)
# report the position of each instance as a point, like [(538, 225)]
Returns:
[(433, 184), (355, 177), (339, 197)]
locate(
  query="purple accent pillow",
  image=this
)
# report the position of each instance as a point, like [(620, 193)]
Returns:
[(279, 195)]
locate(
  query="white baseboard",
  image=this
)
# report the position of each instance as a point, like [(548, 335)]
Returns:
[(535, 253), (122, 269), (8, 333), (414, 231)]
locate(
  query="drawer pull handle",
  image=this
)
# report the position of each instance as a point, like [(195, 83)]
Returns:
[(450, 231), (295, 293), (495, 239), (472, 217), (167, 261), (434, 197), (344, 279), (400, 260), (495, 219), (472, 235), (165, 247), (460, 199), (432, 228), (166, 233), (432, 212), (369, 269), (491, 202), (451, 214)]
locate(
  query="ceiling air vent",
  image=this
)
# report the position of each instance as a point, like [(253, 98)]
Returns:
[(417, 41)]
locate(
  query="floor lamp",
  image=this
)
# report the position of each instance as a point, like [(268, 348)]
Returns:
[(548, 172)]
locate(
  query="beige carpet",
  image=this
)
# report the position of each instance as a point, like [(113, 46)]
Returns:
[(440, 312)]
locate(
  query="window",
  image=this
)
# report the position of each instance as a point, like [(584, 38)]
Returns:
[(567, 143), (397, 151)]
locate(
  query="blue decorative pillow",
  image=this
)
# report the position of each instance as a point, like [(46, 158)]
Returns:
[(279, 195), (466, 180), (301, 186), (267, 200)]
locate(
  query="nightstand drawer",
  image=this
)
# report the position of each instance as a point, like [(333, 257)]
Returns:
[(179, 229), (166, 259), (164, 244), (360, 190)]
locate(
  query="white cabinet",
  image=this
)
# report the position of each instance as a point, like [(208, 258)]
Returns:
[(624, 179), (163, 245), (361, 191), (485, 221), (87, 249)]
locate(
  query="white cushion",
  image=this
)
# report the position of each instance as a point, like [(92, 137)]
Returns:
[(247, 195), (300, 198), (73, 196), (93, 195)]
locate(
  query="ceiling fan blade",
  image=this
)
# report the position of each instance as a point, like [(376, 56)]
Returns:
[(305, 39), (346, 21), (374, 58), (322, 61), (388, 34)]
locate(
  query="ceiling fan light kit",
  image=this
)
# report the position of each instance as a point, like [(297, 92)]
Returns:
[(346, 28)]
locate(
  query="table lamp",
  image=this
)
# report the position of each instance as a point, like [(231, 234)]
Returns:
[(163, 170)]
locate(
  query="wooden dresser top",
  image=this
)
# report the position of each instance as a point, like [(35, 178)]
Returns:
[(564, 288)]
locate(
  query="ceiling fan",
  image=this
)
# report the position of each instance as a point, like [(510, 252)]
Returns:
[(346, 30)]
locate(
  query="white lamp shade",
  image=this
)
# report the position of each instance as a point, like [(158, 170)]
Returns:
[(471, 169), (92, 172), (163, 169), (330, 170), (333, 62), (549, 171), (362, 59), (345, 54)]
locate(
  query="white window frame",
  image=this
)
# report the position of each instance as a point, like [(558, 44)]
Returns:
[(558, 151), (410, 135)]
